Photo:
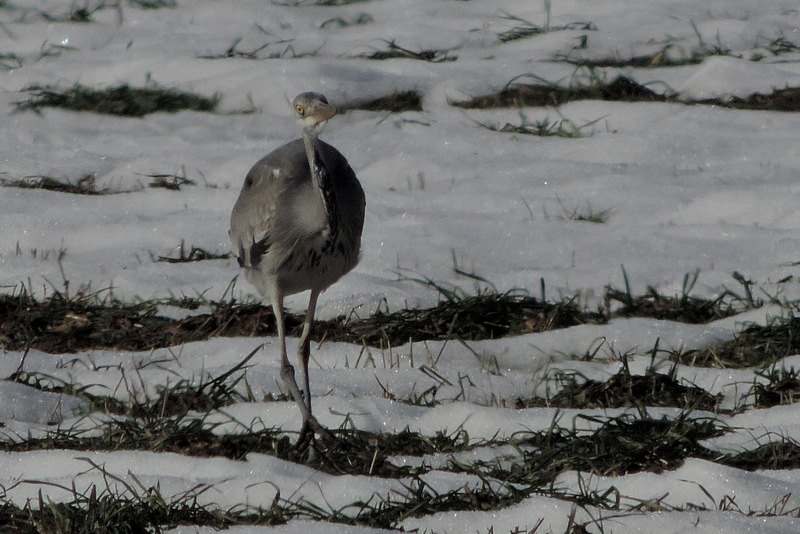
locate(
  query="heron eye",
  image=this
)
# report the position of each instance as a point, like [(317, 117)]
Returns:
[(300, 110)]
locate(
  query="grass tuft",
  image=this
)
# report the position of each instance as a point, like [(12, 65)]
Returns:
[(685, 308), (172, 182), (621, 89), (524, 29), (323, 3), (84, 186), (126, 507), (659, 59), (620, 445), (782, 387), (153, 4), (79, 14), (787, 99), (173, 401), (625, 390), (339, 22), (543, 128), (756, 346), (397, 102), (539, 94), (586, 214), (782, 45), (487, 315), (63, 323), (123, 100), (395, 51), (234, 52), (10, 61), (662, 58), (194, 254), (420, 498), (781, 454)]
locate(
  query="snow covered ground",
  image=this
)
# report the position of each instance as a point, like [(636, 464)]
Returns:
[(689, 187)]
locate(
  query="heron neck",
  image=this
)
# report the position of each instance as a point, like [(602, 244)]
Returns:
[(322, 180), (310, 139), (318, 174)]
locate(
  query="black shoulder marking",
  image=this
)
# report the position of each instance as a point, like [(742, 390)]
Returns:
[(240, 256), (257, 251), (328, 190)]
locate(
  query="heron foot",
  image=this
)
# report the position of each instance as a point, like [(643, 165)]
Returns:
[(306, 438), (312, 448), (311, 428)]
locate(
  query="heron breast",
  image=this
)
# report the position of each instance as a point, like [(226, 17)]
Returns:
[(316, 265)]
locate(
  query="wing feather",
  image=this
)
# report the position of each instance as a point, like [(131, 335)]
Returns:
[(276, 209)]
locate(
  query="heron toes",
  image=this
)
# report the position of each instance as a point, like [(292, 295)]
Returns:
[(312, 448), (311, 428), (305, 439)]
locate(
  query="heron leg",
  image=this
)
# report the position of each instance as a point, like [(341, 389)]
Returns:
[(310, 424), (304, 354), (287, 371), (304, 347)]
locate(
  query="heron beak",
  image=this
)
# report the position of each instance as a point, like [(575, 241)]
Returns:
[(322, 112)]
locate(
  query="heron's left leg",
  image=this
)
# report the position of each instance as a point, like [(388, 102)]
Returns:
[(304, 347), (304, 353)]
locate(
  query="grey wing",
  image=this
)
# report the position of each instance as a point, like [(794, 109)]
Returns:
[(253, 215), (275, 209)]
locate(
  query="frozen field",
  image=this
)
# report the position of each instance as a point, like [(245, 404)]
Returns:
[(681, 189)]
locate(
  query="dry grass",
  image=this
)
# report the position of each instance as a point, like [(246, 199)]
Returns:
[(621, 89), (175, 419), (781, 454), (782, 387), (541, 94), (756, 346), (174, 422), (684, 309), (396, 102), (194, 254), (779, 100), (122, 100), (620, 445), (83, 186), (625, 390), (395, 51), (63, 323), (659, 59)]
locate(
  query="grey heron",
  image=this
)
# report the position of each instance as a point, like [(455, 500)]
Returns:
[(296, 226)]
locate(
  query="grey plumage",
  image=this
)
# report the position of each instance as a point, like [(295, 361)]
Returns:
[(294, 230), (279, 222)]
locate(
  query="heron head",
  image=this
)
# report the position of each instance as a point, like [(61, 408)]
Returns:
[(313, 110)]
